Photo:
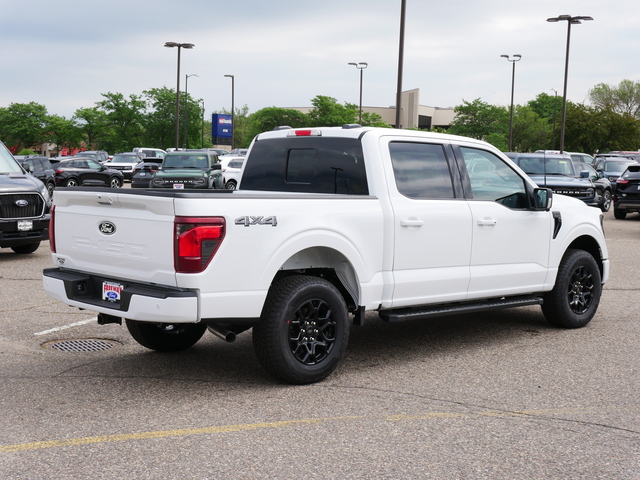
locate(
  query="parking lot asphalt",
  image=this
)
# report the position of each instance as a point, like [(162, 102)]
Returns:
[(500, 395)]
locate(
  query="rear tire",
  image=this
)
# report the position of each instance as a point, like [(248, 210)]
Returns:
[(166, 337), (576, 295), (72, 182), (303, 330), (231, 185)]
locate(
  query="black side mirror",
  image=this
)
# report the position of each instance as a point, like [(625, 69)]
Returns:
[(543, 199), (216, 166)]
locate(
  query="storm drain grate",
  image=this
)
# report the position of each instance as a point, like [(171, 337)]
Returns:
[(82, 345)]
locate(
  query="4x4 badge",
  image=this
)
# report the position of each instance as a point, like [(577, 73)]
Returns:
[(107, 228), (248, 221)]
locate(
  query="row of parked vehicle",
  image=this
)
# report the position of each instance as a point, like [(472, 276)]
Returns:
[(602, 181), (204, 168)]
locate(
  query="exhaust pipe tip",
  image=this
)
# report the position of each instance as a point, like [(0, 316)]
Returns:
[(221, 332)]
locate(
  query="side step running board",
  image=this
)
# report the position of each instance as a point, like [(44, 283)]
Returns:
[(402, 314)]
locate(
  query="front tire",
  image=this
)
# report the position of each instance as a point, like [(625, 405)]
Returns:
[(25, 249), (605, 205), (619, 214), (303, 330), (115, 182), (576, 295), (166, 337)]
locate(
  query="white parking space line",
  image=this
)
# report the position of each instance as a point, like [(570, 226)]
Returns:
[(64, 327)]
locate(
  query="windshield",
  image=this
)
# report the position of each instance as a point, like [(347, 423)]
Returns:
[(185, 161), (548, 166), (617, 167), (125, 159), (7, 162)]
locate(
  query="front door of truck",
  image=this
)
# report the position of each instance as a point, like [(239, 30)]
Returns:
[(510, 250)]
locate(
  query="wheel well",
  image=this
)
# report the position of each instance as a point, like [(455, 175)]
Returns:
[(328, 274), (325, 263), (589, 244)]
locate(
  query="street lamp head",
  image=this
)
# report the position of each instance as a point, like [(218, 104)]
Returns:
[(516, 57), (179, 45), (359, 65), (229, 76), (573, 20)]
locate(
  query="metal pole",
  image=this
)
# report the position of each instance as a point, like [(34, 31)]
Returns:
[(569, 19), (186, 108), (202, 126), (178, 102), (553, 136), (516, 58), (564, 95), (400, 64), (233, 112)]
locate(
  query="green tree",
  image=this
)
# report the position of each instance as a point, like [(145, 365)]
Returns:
[(159, 121), (268, 118), (530, 130), (327, 112), (623, 99), (22, 125), (125, 119), (94, 126), (63, 133), (478, 119)]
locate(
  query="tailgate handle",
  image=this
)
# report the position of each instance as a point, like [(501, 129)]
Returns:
[(105, 200)]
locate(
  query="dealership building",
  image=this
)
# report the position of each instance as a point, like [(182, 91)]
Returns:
[(412, 115)]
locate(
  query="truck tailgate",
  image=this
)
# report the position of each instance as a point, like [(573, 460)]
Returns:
[(114, 233)]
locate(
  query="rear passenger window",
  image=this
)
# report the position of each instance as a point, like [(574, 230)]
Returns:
[(309, 164), (421, 170)]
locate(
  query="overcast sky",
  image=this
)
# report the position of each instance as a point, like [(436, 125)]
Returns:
[(65, 53)]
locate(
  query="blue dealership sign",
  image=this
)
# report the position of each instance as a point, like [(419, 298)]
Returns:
[(221, 126)]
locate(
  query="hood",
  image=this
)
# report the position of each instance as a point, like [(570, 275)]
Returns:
[(17, 182), (561, 181), (180, 172)]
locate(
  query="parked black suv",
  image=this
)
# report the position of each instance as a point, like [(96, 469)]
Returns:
[(627, 195), (41, 168), (25, 204)]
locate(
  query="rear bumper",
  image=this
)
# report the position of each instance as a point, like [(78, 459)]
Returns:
[(150, 303)]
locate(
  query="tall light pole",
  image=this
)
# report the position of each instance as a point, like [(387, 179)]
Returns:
[(403, 10), (570, 21), (233, 111), (202, 126), (555, 103), (186, 107), (360, 66), (516, 58), (180, 46)]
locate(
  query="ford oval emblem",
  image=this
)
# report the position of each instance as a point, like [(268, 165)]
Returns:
[(107, 228), (22, 203)]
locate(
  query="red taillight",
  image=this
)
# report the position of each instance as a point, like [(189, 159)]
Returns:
[(305, 132), (52, 235), (196, 241), (621, 180)]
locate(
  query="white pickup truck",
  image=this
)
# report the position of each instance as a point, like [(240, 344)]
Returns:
[(327, 223)]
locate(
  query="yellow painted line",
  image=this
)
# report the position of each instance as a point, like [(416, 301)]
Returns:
[(257, 426), (147, 435)]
